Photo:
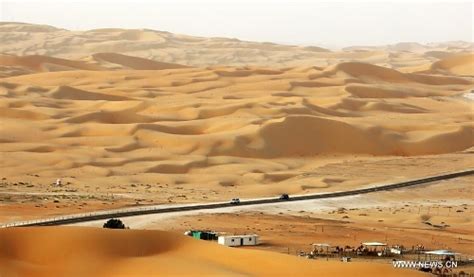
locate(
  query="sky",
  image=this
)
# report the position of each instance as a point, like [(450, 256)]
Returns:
[(305, 22)]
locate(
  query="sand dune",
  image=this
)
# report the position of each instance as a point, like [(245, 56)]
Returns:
[(307, 136), (99, 252), (207, 122), (11, 65), (26, 39), (377, 74), (134, 117), (382, 91), (455, 65), (133, 62), (366, 71), (65, 92)]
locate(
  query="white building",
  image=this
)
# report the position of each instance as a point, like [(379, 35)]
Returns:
[(238, 240)]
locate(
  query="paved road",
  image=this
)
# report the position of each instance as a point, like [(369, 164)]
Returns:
[(204, 206)]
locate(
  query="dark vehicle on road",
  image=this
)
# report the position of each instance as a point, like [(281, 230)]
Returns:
[(284, 197), (235, 201), (114, 223)]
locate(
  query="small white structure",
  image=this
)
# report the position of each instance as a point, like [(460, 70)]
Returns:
[(394, 250), (58, 182), (238, 240)]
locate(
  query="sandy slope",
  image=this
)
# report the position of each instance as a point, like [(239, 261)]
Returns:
[(456, 65), (192, 134), (100, 252), (109, 123), (139, 123), (131, 117), (11, 65)]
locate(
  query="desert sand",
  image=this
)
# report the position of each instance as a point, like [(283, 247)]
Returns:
[(101, 252), (138, 117), (115, 132), (22, 39), (437, 216), (404, 217)]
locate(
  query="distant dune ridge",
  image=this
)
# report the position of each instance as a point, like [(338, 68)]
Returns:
[(129, 62), (19, 65), (23, 39), (456, 65)]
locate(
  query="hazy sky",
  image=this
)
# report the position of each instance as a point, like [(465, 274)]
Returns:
[(290, 21)]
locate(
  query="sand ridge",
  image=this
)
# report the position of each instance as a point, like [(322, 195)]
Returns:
[(102, 252), (130, 117), (24, 39), (199, 114), (135, 117)]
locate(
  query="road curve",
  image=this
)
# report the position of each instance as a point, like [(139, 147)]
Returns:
[(180, 208)]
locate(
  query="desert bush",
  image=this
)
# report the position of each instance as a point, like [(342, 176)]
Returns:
[(425, 217)]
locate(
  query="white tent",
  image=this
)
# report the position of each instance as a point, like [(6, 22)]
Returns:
[(374, 243), (321, 245), (441, 252)]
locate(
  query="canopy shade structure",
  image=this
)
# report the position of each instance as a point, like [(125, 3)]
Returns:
[(373, 243), (440, 252), (321, 245)]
